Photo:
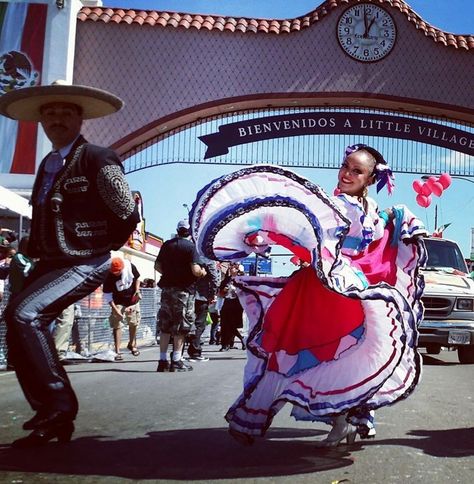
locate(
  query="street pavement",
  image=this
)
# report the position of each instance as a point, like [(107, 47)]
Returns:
[(138, 425)]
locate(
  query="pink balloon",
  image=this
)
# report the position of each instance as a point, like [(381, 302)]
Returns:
[(423, 200), (437, 189), (431, 180), (426, 189), (445, 180), (417, 186)]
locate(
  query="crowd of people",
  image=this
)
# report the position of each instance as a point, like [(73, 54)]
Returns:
[(322, 340)]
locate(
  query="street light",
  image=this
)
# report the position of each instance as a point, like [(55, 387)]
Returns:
[(185, 205)]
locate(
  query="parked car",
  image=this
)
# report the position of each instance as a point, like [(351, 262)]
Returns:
[(449, 301)]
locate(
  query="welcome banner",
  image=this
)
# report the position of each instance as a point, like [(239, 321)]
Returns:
[(22, 33), (328, 122)]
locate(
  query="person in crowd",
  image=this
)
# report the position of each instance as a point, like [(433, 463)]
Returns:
[(62, 331), (78, 344), (148, 283), (82, 209), (6, 255), (206, 293), (337, 339), (231, 313), (7, 237), (214, 313), (21, 266), (215, 309), (179, 266), (122, 291)]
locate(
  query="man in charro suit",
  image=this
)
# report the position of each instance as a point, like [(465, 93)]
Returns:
[(82, 209)]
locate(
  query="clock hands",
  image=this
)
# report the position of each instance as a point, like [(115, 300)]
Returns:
[(370, 25), (367, 25)]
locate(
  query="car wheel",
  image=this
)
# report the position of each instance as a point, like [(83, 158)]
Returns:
[(433, 349), (466, 354)]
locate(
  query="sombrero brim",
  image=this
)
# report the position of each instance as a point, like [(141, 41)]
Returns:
[(24, 104)]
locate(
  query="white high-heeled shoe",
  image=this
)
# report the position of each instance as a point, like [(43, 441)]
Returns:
[(340, 431)]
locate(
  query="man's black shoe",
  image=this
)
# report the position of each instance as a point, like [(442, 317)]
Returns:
[(42, 435), (163, 366), (180, 366), (34, 421), (48, 419)]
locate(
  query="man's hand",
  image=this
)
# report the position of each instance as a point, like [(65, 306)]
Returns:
[(116, 310)]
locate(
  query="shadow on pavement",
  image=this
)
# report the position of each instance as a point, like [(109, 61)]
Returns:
[(433, 361), (438, 443), (199, 454)]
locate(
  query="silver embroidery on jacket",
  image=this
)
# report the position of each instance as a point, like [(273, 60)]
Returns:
[(114, 190), (76, 184), (91, 229), (63, 244)]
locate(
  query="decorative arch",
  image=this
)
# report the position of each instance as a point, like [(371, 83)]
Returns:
[(176, 70)]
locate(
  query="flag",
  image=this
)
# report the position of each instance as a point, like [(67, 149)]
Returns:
[(439, 231), (22, 34)]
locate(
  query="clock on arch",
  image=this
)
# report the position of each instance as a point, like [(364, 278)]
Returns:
[(366, 32)]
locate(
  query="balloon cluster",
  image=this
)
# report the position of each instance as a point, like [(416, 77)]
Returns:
[(434, 185)]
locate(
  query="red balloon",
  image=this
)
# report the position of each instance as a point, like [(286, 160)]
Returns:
[(445, 180), (437, 189), (417, 186), (426, 189), (423, 200), (431, 180)]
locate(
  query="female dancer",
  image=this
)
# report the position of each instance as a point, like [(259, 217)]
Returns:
[(337, 339), (231, 311)]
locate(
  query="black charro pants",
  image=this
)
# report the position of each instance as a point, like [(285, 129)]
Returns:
[(49, 289)]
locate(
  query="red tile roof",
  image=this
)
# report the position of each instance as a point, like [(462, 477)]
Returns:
[(233, 24)]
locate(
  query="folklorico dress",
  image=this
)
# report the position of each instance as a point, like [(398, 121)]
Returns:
[(337, 337)]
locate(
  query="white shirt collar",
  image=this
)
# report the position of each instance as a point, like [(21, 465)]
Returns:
[(65, 150)]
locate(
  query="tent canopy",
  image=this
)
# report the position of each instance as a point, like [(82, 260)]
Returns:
[(15, 203)]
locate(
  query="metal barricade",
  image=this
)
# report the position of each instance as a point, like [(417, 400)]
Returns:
[(91, 332)]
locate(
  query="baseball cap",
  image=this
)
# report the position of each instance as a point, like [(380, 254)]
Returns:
[(116, 264), (183, 224)]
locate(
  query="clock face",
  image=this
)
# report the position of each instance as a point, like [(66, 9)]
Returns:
[(366, 32)]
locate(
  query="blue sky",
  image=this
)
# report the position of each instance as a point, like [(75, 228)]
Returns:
[(450, 15), (165, 189)]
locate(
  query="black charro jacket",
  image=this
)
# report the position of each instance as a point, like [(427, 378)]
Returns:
[(89, 209)]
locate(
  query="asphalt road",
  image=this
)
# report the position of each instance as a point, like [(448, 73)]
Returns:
[(138, 425)]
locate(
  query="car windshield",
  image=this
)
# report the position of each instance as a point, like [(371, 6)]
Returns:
[(444, 254)]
